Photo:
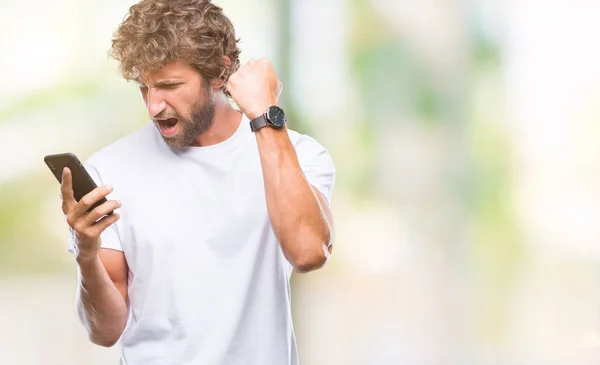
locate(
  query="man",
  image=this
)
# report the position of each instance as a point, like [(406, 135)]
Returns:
[(214, 207)]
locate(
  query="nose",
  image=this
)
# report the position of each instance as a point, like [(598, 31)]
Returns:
[(155, 104)]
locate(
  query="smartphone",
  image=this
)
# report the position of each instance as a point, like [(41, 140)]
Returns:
[(82, 181)]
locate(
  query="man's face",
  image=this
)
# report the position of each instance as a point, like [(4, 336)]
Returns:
[(180, 102)]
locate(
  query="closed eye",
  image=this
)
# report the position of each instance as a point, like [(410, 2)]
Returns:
[(167, 85)]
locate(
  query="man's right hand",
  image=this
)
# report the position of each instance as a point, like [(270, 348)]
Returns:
[(87, 227)]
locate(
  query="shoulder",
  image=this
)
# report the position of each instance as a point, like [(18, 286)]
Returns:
[(315, 161), (305, 144), (311, 153)]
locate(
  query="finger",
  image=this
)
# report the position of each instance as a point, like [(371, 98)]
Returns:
[(100, 211), (103, 224), (66, 190), (91, 198)]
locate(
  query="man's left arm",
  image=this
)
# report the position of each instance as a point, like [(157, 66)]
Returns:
[(299, 213)]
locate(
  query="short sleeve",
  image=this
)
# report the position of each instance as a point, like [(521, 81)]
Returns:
[(109, 237), (316, 164)]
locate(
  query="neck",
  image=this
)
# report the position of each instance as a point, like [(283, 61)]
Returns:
[(226, 121)]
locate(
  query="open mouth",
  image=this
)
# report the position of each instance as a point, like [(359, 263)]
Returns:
[(168, 126)]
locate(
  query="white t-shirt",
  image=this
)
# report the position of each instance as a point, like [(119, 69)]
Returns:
[(208, 282)]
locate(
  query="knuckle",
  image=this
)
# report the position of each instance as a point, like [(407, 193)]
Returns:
[(86, 201), (71, 221), (87, 234), (95, 214), (93, 234), (78, 228)]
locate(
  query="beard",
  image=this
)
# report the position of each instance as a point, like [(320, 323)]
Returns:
[(201, 117)]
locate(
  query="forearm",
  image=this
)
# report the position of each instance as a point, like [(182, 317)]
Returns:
[(296, 215), (99, 305)]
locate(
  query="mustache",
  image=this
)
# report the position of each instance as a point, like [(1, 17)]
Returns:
[(166, 115)]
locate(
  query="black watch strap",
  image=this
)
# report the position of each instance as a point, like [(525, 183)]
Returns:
[(258, 123)]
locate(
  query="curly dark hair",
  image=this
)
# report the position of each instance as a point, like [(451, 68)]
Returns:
[(158, 32)]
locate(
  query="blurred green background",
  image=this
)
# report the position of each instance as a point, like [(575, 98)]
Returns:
[(467, 201)]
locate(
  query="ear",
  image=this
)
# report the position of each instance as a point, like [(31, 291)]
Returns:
[(227, 61), (219, 83)]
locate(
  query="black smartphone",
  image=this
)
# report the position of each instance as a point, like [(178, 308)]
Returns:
[(82, 181)]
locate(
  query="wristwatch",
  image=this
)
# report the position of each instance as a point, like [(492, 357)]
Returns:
[(274, 117)]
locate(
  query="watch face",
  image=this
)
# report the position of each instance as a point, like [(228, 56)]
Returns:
[(276, 116)]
